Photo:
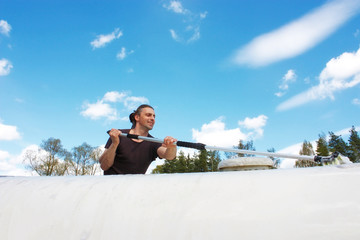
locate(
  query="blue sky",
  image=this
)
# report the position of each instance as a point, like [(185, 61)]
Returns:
[(275, 72)]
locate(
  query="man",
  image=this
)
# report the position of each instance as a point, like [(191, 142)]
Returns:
[(133, 156)]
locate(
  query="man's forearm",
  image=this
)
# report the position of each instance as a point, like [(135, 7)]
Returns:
[(107, 158), (170, 153)]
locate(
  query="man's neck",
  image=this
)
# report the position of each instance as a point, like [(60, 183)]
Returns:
[(139, 131)]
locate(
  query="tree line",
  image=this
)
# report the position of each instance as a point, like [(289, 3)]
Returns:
[(334, 143), (203, 161)]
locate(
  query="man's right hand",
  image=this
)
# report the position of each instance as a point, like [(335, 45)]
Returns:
[(115, 136)]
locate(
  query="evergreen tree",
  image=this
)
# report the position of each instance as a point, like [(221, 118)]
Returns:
[(200, 164), (322, 148), (354, 145), (180, 163), (169, 166), (204, 161), (213, 161), (158, 169), (337, 144), (247, 146)]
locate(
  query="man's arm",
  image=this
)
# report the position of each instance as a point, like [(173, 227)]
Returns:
[(168, 149), (107, 158)]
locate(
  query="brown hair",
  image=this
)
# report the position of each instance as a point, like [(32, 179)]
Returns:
[(137, 112)]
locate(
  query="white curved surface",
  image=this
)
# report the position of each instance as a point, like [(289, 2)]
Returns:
[(313, 203)]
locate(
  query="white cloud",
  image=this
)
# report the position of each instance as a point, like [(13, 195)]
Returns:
[(122, 54), (102, 40), (216, 134), (5, 67), (356, 101), (175, 36), (255, 124), (107, 108), (357, 33), (8, 132), (114, 96), (203, 15), (98, 110), (346, 131), (195, 36), (131, 102), (288, 78), (279, 94), (176, 7), (12, 165), (4, 155), (191, 32), (5, 27), (340, 73), (298, 36)]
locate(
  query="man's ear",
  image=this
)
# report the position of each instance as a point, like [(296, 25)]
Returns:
[(137, 117)]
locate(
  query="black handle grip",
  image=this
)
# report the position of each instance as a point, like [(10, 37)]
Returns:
[(129, 135), (198, 146)]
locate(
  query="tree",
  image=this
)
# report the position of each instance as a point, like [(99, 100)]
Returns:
[(181, 164), (248, 146), (83, 160), (213, 161), (158, 169), (322, 146), (167, 167), (307, 149), (337, 144), (95, 156), (354, 145), (200, 162), (241, 145), (50, 160), (204, 161), (277, 161), (185, 163)]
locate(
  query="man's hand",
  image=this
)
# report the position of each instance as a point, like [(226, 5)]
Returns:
[(169, 142), (107, 158), (114, 135), (168, 149)]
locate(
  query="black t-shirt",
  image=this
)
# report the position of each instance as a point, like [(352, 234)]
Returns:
[(132, 157)]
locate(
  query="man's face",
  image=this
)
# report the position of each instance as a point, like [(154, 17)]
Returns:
[(146, 118)]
